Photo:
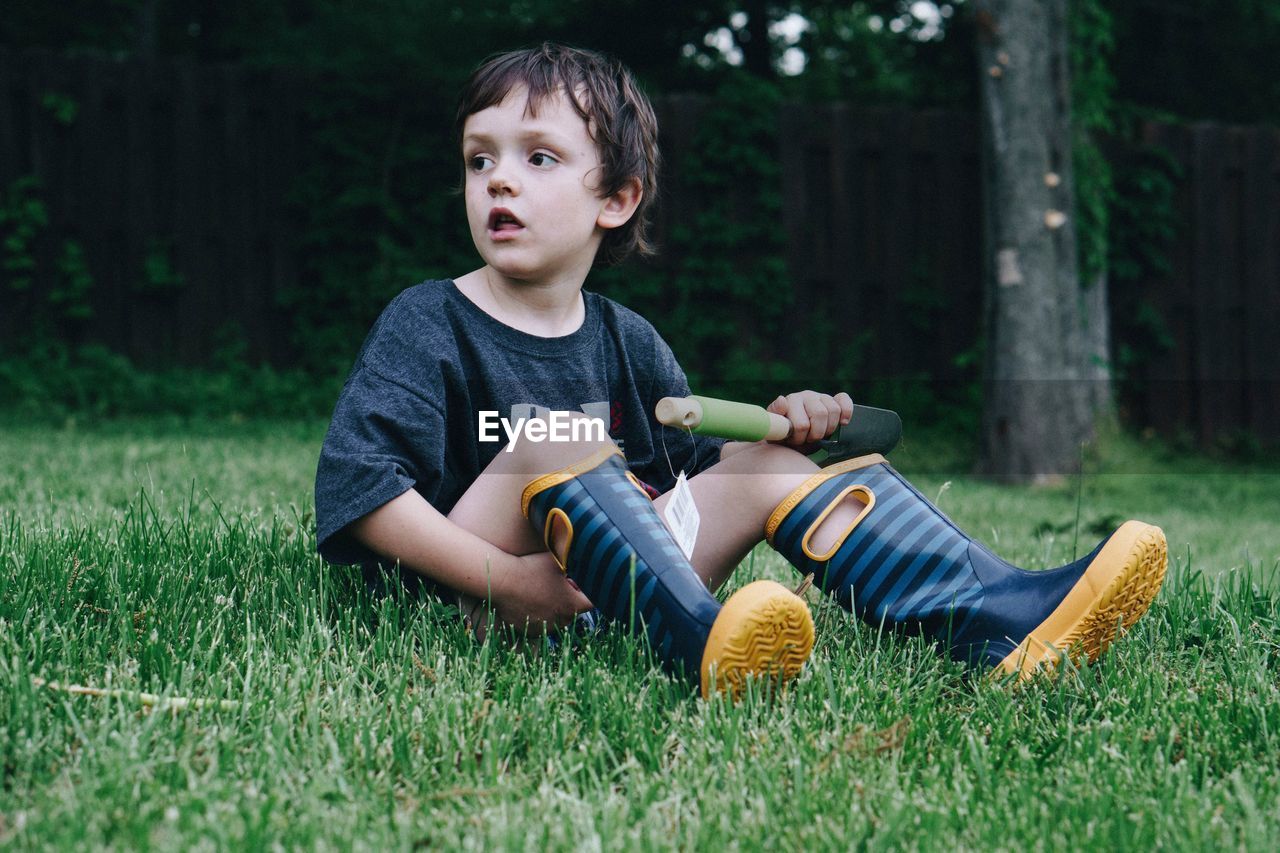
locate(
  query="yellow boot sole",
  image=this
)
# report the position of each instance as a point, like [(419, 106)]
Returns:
[(1109, 598), (764, 631)]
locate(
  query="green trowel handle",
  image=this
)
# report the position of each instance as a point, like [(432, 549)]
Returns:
[(722, 418), (870, 430)]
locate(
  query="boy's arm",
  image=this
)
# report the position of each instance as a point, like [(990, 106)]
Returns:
[(524, 590)]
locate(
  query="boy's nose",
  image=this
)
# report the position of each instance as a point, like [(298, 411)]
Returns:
[(501, 182)]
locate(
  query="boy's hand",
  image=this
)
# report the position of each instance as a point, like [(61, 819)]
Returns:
[(535, 593), (813, 416)]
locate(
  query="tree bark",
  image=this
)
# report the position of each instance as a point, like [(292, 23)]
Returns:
[(1041, 360)]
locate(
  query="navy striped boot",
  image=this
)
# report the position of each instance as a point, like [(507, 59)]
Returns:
[(902, 564), (600, 526)]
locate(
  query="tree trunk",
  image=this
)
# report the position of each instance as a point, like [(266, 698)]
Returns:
[(1040, 356)]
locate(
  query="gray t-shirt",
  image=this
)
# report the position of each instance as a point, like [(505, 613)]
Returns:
[(408, 416)]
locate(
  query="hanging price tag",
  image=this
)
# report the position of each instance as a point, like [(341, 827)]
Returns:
[(682, 516)]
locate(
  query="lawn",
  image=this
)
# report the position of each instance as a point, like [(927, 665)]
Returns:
[(179, 560)]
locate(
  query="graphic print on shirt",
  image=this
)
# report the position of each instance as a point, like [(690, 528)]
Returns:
[(611, 415)]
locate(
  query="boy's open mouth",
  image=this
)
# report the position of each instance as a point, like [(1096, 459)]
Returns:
[(502, 220)]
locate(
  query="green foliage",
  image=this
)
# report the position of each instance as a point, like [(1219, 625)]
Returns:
[(63, 107), (158, 273), (1095, 195), (30, 254), (23, 216), (1145, 214), (878, 52), (52, 382), (73, 283), (1144, 224), (1092, 45)]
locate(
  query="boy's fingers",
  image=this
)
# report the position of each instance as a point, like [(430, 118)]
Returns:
[(833, 415), (581, 604), (830, 418), (795, 411), (845, 402), (817, 412)]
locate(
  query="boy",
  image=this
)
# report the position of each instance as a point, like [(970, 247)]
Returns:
[(560, 158)]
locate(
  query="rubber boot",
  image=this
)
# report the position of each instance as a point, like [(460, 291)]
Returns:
[(601, 527), (901, 563)]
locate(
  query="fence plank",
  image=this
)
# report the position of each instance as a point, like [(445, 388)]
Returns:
[(838, 215), (1170, 398), (107, 303), (236, 140), (1216, 349), (898, 236), (13, 91), (283, 170), (1261, 251), (146, 326)]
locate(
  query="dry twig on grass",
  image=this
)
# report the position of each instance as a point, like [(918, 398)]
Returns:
[(149, 700)]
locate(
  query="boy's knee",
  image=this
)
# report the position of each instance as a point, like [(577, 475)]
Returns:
[(772, 459)]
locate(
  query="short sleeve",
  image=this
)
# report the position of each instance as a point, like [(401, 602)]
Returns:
[(689, 453), (384, 439)]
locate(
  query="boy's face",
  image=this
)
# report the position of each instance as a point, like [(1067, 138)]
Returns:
[(531, 189)]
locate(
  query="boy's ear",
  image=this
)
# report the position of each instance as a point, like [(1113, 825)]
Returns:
[(619, 207)]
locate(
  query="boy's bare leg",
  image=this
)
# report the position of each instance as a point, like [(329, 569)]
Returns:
[(735, 497), (490, 508)]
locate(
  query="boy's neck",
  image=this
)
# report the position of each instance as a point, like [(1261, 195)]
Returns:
[(549, 310)]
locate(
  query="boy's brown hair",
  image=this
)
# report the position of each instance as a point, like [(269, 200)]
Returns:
[(618, 115)]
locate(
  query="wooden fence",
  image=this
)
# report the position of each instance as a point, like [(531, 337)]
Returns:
[(192, 165), (165, 164), (1220, 303), (883, 218)]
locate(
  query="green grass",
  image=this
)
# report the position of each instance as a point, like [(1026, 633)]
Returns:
[(180, 560)]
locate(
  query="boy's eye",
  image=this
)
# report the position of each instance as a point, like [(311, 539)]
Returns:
[(541, 159), (479, 163)]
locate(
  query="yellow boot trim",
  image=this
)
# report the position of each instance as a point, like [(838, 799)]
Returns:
[(789, 502), (763, 630), (868, 499), (1109, 598), (555, 478)]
